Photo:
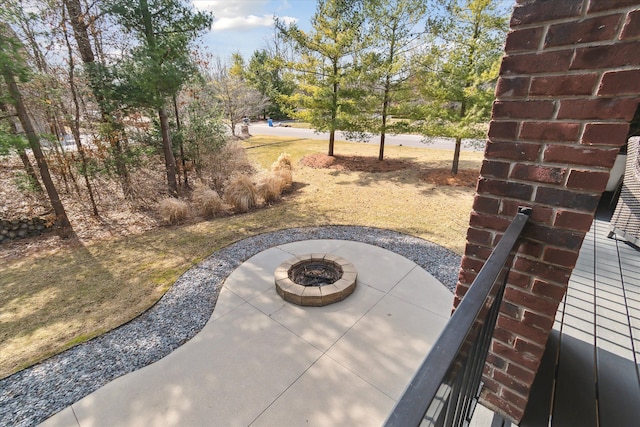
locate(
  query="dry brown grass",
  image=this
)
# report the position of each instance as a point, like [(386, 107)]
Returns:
[(231, 159), (282, 163), (271, 186), (173, 211), (241, 193), (52, 300), (206, 202)]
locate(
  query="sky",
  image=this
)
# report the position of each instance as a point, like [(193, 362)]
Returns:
[(246, 25)]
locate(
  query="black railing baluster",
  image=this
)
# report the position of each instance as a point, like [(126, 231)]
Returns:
[(443, 390)]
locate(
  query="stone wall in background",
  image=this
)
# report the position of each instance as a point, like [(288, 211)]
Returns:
[(16, 229)]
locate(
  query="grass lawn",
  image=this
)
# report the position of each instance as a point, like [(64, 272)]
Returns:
[(49, 302)]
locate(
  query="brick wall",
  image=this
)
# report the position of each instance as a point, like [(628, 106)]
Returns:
[(569, 86)]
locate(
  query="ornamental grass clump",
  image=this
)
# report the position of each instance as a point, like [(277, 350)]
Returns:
[(206, 202), (283, 162), (270, 187), (241, 193), (173, 211)]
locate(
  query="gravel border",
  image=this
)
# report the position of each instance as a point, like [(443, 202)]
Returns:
[(31, 396)]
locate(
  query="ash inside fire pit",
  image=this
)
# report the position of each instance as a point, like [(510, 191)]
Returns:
[(315, 273)]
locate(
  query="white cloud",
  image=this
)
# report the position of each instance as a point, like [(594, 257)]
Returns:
[(239, 14)]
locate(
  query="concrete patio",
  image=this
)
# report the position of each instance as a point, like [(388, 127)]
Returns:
[(262, 361)]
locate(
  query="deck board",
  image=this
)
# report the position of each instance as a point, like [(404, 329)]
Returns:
[(591, 366)]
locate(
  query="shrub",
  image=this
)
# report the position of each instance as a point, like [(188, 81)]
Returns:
[(287, 178), (271, 186), (283, 162), (173, 210), (231, 159), (241, 193), (206, 201)]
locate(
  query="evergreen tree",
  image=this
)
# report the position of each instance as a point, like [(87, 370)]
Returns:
[(326, 64), (393, 34), (153, 71), (460, 69)]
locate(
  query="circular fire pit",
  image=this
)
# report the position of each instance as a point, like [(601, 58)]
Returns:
[(315, 279)]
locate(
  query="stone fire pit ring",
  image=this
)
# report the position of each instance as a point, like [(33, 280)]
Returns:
[(315, 295)]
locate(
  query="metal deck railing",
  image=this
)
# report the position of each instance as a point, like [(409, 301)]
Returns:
[(444, 390)]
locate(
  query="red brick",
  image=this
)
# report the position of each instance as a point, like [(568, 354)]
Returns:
[(502, 130), (477, 251), (518, 279), (461, 289), (486, 204), (585, 31), (544, 323), (530, 302), (466, 276), (504, 336), (580, 155), (569, 85), (538, 214), (510, 310), (550, 131), (537, 63), (588, 180), (538, 173), (496, 361), (620, 83), (493, 402), (567, 199), (530, 248), (523, 40), (520, 373), (542, 270), (513, 398), (573, 220), (490, 384), (456, 303), (598, 109), (481, 237), (541, 11), (606, 56), (511, 355), (528, 347), (490, 222), (568, 239), (560, 257), (505, 188), (513, 151), (631, 29), (495, 169), (523, 109), (602, 5), (512, 383), (605, 134), (521, 329), (548, 290), (470, 264)]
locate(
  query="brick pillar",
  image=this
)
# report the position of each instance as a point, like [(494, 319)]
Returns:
[(568, 89)]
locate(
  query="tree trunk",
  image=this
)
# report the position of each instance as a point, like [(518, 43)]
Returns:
[(28, 167), (64, 226), (456, 156), (332, 137), (75, 123), (178, 127), (169, 159), (113, 130)]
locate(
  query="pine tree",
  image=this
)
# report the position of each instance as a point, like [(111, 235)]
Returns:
[(326, 64)]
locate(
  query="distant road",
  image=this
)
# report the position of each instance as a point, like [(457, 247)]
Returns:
[(261, 128)]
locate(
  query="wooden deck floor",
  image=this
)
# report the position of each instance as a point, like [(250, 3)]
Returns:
[(590, 374)]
